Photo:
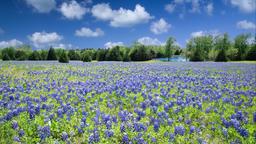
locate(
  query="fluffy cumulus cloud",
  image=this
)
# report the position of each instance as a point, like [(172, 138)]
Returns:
[(42, 6), (247, 25), (247, 6), (193, 6), (160, 26), (108, 45), (41, 39), (10, 43), (121, 17), (204, 33), (73, 10), (149, 41), (87, 32)]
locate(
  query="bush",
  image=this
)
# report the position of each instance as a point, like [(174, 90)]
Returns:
[(221, 57), (51, 54), (86, 57), (63, 57)]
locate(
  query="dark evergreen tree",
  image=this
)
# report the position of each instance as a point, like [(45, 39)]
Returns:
[(51, 54)]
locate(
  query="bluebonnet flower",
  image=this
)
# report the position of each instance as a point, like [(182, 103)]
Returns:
[(15, 125), (156, 126), (21, 133), (153, 140), (109, 133), (122, 127), (180, 130), (17, 139), (64, 136), (125, 139), (44, 132), (192, 129)]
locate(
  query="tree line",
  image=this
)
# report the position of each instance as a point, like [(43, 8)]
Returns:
[(202, 48)]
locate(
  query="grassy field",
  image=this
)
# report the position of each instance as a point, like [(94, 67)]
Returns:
[(116, 102)]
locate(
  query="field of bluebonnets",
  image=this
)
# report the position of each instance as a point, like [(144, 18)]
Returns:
[(111, 102)]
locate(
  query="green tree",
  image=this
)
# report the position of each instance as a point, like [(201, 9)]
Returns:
[(169, 47), (114, 54), (73, 55), (6, 57), (242, 46), (251, 54), (8, 53), (222, 45), (86, 57), (140, 53), (34, 56), (20, 55), (51, 54), (63, 57), (101, 54)]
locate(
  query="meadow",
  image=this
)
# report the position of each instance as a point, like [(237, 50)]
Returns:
[(127, 102)]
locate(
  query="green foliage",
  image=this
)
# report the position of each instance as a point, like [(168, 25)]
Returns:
[(43, 54), (199, 48), (63, 57), (251, 54), (20, 55), (6, 57), (126, 56), (114, 54), (34, 56), (8, 53), (101, 54), (241, 44), (73, 55), (221, 57), (140, 53), (86, 57), (169, 47), (51, 54)]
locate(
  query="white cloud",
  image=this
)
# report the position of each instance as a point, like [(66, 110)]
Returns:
[(113, 44), (193, 6), (149, 41), (247, 25), (247, 6), (87, 32), (160, 26), (10, 43), (40, 39), (205, 33), (122, 17), (42, 6), (73, 10), (209, 8), (170, 8)]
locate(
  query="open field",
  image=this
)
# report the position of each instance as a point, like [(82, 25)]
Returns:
[(117, 102)]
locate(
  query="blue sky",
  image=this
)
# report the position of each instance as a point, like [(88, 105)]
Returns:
[(105, 23)]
